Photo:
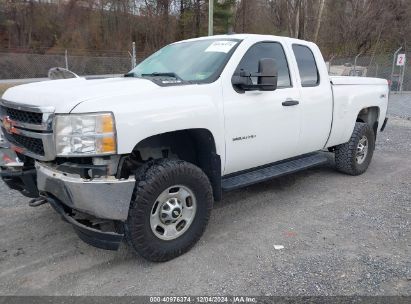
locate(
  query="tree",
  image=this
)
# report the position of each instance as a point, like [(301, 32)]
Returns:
[(223, 16), (339, 27)]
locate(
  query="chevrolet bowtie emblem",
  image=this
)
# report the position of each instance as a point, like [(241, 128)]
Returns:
[(7, 124)]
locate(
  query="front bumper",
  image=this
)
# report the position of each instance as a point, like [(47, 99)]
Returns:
[(94, 208), (15, 175), (94, 237), (105, 197)]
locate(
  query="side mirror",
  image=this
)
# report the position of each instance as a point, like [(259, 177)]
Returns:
[(268, 74), (266, 77), (61, 73)]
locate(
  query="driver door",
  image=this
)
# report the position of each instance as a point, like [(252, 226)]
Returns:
[(261, 126)]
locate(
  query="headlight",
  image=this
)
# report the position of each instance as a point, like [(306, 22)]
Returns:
[(85, 134)]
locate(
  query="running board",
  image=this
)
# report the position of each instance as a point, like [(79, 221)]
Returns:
[(276, 170)]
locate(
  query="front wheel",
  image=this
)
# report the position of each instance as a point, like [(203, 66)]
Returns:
[(355, 156), (169, 211)]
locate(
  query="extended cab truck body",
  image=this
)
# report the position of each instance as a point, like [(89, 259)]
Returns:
[(143, 157)]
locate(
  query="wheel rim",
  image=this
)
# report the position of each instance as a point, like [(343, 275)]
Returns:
[(362, 150), (173, 212)]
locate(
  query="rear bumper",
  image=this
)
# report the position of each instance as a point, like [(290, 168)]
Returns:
[(91, 236), (105, 197)]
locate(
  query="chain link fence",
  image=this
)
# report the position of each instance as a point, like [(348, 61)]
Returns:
[(20, 64), (380, 66)]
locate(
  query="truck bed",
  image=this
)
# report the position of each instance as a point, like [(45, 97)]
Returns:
[(350, 96), (351, 80)]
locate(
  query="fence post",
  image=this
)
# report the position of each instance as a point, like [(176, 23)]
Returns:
[(330, 62), (402, 76), (355, 63), (376, 69), (393, 65), (66, 58)]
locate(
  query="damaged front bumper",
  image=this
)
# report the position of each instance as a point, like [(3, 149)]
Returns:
[(15, 175), (108, 240), (103, 200), (104, 197), (95, 207)]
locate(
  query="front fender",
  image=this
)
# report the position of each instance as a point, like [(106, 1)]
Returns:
[(165, 110)]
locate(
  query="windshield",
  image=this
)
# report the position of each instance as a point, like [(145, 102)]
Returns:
[(191, 61)]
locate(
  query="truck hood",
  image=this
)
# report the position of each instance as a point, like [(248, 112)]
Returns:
[(64, 95)]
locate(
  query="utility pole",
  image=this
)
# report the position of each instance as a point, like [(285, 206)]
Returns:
[(210, 17), (133, 56), (66, 59), (243, 7)]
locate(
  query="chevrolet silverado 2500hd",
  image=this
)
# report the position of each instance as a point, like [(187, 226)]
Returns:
[(142, 157)]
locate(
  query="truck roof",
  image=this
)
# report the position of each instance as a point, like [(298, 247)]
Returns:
[(250, 36)]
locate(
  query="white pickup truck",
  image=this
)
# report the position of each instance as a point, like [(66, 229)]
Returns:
[(143, 157)]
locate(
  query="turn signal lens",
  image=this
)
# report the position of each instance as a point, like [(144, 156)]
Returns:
[(108, 145), (107, 123)]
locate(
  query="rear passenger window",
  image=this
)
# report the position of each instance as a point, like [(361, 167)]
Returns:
[(306, 64), (261, 50)]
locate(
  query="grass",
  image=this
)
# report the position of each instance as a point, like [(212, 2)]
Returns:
[(4, 87)]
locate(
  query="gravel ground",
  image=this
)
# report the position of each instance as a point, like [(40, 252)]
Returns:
[(400, 105), (342, 235)]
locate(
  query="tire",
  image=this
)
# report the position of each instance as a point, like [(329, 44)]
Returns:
[(156, 182), (348, 158)]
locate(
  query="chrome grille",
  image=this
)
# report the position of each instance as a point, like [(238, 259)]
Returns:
[(29, 129), (34, 145), (23, 116)]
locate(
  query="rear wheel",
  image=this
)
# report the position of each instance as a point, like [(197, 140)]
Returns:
[(355, 156), (169, 210)]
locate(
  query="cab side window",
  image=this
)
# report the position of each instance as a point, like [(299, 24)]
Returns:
[(306, 65), (261, 50)]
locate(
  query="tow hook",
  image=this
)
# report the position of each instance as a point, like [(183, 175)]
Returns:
[(35, 202)]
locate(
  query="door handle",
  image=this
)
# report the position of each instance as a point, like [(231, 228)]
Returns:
[(289, 103)]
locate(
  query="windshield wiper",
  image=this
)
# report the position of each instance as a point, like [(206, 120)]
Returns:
[(159, 74), (166, 74)]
